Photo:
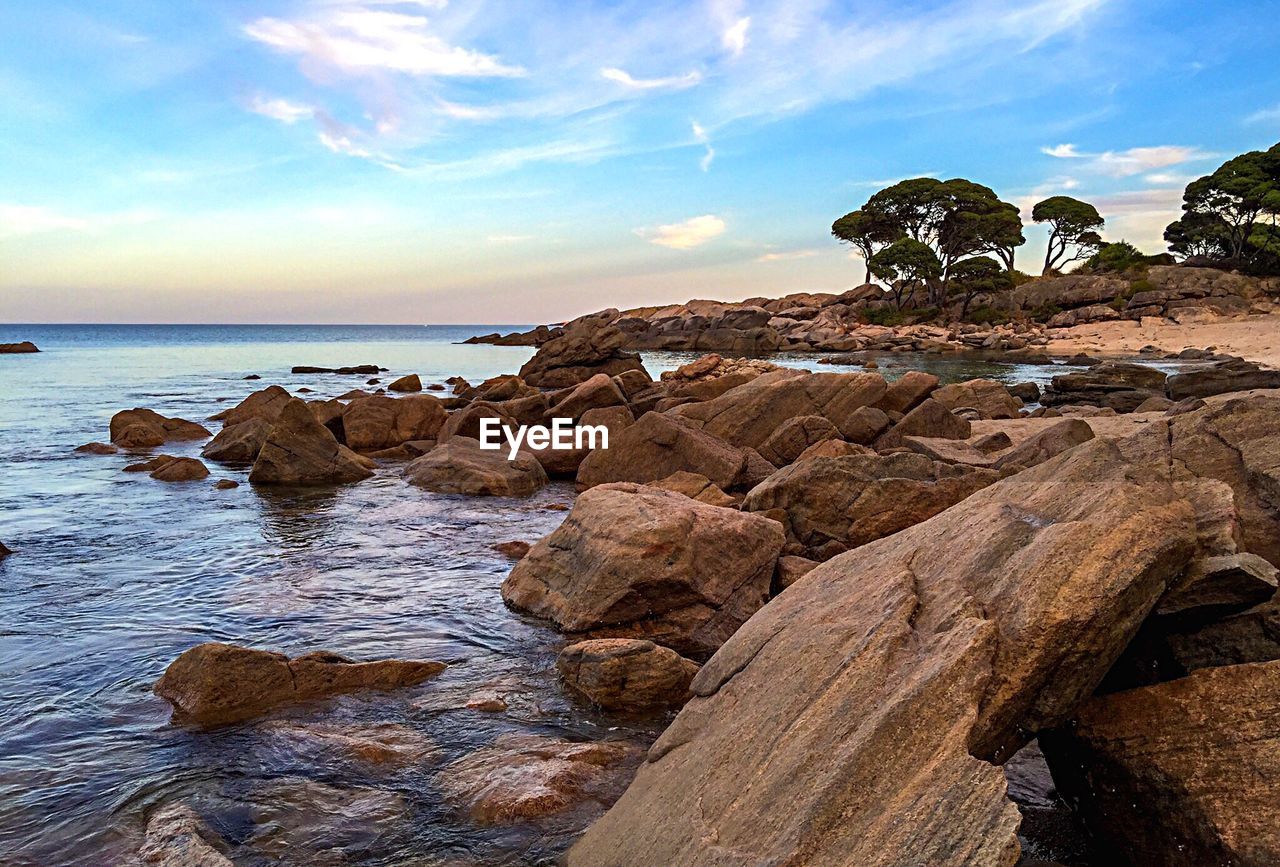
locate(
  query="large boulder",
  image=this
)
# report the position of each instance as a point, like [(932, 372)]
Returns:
[(988, 398), (566, 462), (578, 354), (870, 696), (791, 439), (266, 404), (144, 428), (299, 450), (597, 392), (1048, 443), (1221, 378), (1119, 385), (460, 466), (1183, 773), (217, 684), (835, 504), (928, 419), (381, 422), (238, 443), (626, 674), (907, 391), (631, 561), (411, 382), (466, 422), (660, 444), (749, 414)]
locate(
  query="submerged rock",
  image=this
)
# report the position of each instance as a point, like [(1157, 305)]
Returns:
[(301, 451), (181, 470), (97, 449), (523, 777), (378, 745), (143, 428), (639, 562), (626, 674), (217, 684), (178, 837), (460, 466), (513, 550)]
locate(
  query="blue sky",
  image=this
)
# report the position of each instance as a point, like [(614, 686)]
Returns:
[(457, 161)]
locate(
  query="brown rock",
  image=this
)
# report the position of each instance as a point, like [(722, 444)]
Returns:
[(97, 449), (578, 354), (512, 550), (1220, 378), (523, 777), (866, 696), (266, 404), (466, 422), (150, 466), (790, 570), (1181, 773), (25, 346), (638, 562), (696, 487), (928, 419), (791, 438), (142, 428), (406, 383), (625, 674), (301, 451), (833, 449), (1217, 586), (238, 443), (225, 484), (177, 837), (460, 466), (990, 398), (381, 422), (217, 684), (836, 504), (181, 470), (597, 392), (4, 551), (907, 391), (1048, 443), (566, 462), (658, 445)]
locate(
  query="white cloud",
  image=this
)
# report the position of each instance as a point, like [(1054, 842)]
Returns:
[(1265, 115), (1169, 178), (701, 137), (787, 255), (1134, 161), (341, 144), (361, 40), (674, 82), (735, 38), (693, 232), (509, 239), (17, 221), (280, 109)]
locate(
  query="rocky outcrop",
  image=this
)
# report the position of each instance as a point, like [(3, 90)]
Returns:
[(218, 684), (660, 444), (266, 404), (598, 392), (460, 466), (749, 414), (1221, 378), (929, 419), (527, 777), (1116, 384), (985, 397), (239, 443), (301, 451), (793, 437), (143, 428), (22, 348), (411, 382), (1180, 773), (867, 696), (381, 422), (625, 674), (577, 355), (631, 561), (835, 504)]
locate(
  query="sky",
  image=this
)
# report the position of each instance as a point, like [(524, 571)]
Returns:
[(474, 161)]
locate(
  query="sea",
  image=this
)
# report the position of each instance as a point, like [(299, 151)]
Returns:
[(114, 575)]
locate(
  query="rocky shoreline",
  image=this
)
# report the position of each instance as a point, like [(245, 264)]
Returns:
[(876, 602)]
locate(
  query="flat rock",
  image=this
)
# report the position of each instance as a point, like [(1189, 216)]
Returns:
[(97, 449), (1221, 378)]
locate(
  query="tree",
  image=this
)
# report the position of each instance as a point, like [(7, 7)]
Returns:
[(1198, 235), (906, 264), (1073, 230), (977, 276), (1242, 193), (867, 231)]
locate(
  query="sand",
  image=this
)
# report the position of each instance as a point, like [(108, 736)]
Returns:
[(1256, 338)]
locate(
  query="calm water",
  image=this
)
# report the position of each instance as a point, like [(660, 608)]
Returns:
[(115, 574)]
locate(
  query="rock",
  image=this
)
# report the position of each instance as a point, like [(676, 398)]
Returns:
[(637, 562), (749, 414), (381, 422), (791, 439), (1154, 404), (178, 837), (832, 449), (97, 449), (466, 422), (929, 419), (1048, 443), (658, 445), (1226, 376), (1217, 586), (577, 355), (523, 777), (1250, 636), (377, 745), (990, 398), (218, 684), (356, 370), (301, 451), (301, 821), (1027, 392), (460, 466), (225, 484), (790, 570), (181, 470), (950, 451), (142, 428), (595, 393), (238, 443), (1189, 404), (25, 346), (150, 466), (512, 550), (626, 674), (907, 391), (406, 383), (1119, 385), (435, 386), (867, 697), (266, 404), (698, 487), (836, 504), (1180, 773), (252, 376), (487, 701), (4, 551), (403, 452), (566, 462)]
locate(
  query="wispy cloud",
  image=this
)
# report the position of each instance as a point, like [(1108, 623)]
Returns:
[(700, 136), (693, 232), (734, 39), (18, 220), (1134, 161), (787, 255), (280, 109), (362, 40), (674, 82), (1265, 115)]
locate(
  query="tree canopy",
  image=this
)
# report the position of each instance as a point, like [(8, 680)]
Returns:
[(906, 264), (978, 276), (1073, 230), (867, 231)]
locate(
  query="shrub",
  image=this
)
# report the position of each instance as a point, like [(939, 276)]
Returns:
[(987, 315), (885, 316)]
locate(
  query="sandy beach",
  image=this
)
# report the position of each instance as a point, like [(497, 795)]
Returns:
[(1256, 338)]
